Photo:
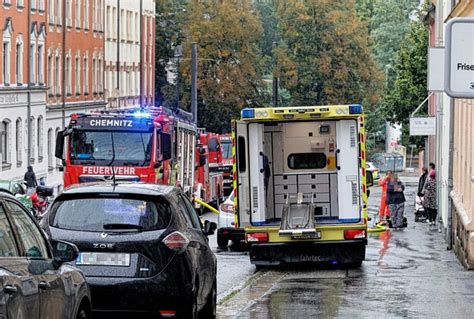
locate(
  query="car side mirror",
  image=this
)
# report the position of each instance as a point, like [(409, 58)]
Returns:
[(63, 252), (209, 228)]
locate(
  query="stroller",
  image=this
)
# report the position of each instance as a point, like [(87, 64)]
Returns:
[(420, 214)]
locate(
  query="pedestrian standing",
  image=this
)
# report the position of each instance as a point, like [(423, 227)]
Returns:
[(383, 209), (421, 182), (396, 201), (31, 182), (429, 192)]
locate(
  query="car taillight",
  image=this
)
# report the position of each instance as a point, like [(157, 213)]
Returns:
[(257, 238), (168, 313), (226, 208), (176, 241), (355, 234)]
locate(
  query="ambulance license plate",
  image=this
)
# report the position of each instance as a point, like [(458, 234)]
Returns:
[(315, 235)]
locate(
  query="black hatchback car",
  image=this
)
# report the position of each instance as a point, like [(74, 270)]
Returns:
[(142, 248), (35, 279)]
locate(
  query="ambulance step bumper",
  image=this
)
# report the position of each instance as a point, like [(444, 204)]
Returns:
[(273, 254)]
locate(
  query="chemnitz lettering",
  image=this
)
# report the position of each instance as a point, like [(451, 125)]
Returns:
[(105, 122), (106, 170), (465, 67)]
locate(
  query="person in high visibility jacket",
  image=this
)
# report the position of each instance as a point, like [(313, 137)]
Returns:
[(383, 209)]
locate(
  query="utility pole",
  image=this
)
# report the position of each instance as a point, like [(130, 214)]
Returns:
[(194, 83), (274, 81), (28, 90)]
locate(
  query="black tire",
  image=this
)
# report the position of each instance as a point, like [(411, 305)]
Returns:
[(222, 242), (192, 311), (84, 312), (209, 310)]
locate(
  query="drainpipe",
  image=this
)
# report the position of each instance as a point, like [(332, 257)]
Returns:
[(28, 88), (449, 226), (118, 54), (63, 71), (141, 54)]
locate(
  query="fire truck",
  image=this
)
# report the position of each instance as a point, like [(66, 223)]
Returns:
[(301, 184), (209, 185), (156, 145), (226, 168)]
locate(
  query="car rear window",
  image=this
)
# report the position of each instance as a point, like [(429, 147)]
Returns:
[(111, 214)]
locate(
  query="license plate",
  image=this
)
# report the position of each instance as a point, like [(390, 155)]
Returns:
[(316, 235), (103, 259)]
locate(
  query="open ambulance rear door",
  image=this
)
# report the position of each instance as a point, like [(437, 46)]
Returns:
[(348, 171), (241, 172)]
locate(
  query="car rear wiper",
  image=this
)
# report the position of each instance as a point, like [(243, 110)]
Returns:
[(122, 226)]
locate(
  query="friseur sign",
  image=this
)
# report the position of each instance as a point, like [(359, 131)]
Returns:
[(459, 58)]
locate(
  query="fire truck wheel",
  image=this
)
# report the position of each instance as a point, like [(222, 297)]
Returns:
[(222, 242)]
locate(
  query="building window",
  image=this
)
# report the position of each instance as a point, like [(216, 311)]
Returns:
[(41, 64), (86, 75), (59, 19), (69, 13), (123, 24), (19, 3), (41, 5), (94, 75), (50, 149), (4, 138), (32, 52), (77, 73), (68, 76), (6, 62), (33, 4), (86, 14), (51, 11), (39, 139), (18, 131), (32, 138), (51, 74), (19, 63), (114, 22), (58, 75), (78, 13)]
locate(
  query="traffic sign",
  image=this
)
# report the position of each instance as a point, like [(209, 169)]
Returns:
[(422, 126), (459, 58)]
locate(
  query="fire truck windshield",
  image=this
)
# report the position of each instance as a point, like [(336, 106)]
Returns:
[(226, 149), (104, 147)]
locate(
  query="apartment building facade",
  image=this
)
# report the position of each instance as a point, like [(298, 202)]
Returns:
[(129, 53), (454, 146), (23, 87), (75, 64)]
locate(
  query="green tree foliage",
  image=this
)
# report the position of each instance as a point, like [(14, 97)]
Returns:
[(409, 88), (389, 25), (230, 62), (271, 31), (169, 19), (326, 56)]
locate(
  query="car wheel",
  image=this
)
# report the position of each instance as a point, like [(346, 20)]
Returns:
[(83, 313), (222, 242), (192, 310), (209, 310)]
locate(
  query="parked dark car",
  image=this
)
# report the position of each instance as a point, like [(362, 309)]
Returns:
[(36, 280), (142, 248)]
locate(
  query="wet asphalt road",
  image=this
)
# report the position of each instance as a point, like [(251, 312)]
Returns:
[(407, 273), (233, 265)]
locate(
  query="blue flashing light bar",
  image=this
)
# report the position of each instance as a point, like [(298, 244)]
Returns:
[(248, 113), (142, 114), (355, 109)]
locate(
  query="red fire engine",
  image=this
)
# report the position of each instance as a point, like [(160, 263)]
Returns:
[(226, 168), (156, 145), (209, 185)]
